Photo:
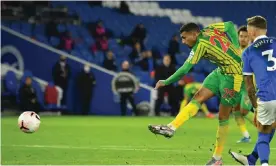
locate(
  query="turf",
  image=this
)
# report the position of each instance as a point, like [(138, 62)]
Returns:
[(116, 140)]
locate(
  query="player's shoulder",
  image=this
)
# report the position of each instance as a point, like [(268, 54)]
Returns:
[(247, 50), (263, 42), (202, 37)]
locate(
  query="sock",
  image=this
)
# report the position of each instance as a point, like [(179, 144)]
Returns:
[(250, 117), (205, 109), (253, 157), (221, 138), (263, 147), (185, 114), (183, 103), (241, 123)]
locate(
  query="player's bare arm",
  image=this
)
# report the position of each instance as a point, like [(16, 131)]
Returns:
[(251, 89)]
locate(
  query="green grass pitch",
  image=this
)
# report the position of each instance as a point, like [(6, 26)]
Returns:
[(117, 140)]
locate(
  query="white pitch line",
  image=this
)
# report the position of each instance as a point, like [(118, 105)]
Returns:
[(130, 146), (115, 148), (121, 148)]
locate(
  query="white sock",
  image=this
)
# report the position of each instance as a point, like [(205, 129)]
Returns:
[(265, 164), (217, 157), (246, 134)]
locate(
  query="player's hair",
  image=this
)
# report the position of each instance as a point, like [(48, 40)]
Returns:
[(189, 27), (257, 21), (242, 29)]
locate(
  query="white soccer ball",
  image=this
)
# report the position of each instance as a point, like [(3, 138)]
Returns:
[(28, 122)]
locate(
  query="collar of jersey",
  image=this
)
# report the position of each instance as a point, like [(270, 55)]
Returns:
[(260, 37)]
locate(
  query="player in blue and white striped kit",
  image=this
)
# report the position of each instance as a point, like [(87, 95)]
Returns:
[(260, 59)]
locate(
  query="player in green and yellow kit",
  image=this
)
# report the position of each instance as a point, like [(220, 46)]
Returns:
[(245, 104), (189, 90), (219, 44)]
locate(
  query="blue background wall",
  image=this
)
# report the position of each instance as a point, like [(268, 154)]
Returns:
[(40, 61)]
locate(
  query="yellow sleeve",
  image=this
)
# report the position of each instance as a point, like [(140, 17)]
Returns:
[(223, 26), (197, 52)]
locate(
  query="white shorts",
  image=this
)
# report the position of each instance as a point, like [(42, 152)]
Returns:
[(266, 112)]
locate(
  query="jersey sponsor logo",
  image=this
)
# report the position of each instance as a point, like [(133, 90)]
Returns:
[(192, 53)]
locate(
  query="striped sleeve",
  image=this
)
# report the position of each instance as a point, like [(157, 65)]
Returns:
[(197, 52)]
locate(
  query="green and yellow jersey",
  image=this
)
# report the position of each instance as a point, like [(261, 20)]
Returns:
[(214, 45), (219, 44)]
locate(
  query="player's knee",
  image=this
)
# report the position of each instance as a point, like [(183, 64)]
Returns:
[(274, 125), (265, 128), (198, 98), (202, 95), (223, 117), (224, 112)]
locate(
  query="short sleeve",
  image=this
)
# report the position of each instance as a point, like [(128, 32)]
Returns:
[(247, 70)]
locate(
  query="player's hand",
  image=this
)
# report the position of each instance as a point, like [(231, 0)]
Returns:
[(159, 84)]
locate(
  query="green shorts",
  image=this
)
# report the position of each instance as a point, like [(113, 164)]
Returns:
[(245, 101), (223, 86)]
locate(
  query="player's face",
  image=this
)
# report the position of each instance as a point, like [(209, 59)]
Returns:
[(189, 38), (251, 33), (243, 38)]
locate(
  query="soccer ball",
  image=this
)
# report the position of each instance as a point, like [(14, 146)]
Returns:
[(28, 122)]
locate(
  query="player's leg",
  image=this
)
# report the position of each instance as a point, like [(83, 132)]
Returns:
[(185, 101), (241, 123), (266, 120), (185, 114), (222, 132), (266, 113), (204, 107), (192, 108), (210, 88), (246, 107), (229, 98)]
